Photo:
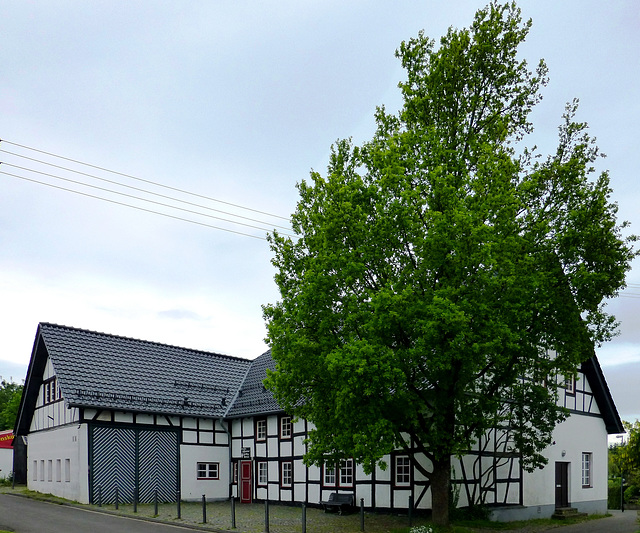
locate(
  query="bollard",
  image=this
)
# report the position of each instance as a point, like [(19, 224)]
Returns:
[(178, 503), (410, 510), (304, 518), (99, 495), (117, 498), (266, 516), (204, 509), (135, 500), (233, 512), (155, 502), (361, 514)]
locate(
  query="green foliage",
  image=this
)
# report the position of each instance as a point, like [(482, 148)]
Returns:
[(613, 498), (10, 394), (442, 262)]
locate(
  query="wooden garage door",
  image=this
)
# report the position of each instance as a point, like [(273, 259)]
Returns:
[(129, 459)]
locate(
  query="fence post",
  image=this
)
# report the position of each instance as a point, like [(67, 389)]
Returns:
[(411, 510), (117, 499), (155, 502), (135, 500), (178, 503), (204, 509), (361, 514), (266, 516), (233, 512), (304, 518), (99, 495)]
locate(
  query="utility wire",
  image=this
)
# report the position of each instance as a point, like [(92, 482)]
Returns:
[(144, 180), (133, 206), (130, 196), (113, 182)]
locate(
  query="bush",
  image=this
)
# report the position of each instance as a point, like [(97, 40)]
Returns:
[(613, 500), (631, 493)]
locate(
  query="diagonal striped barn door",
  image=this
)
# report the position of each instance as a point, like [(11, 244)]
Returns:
[(130, 459), (158, 465), (113, 464)]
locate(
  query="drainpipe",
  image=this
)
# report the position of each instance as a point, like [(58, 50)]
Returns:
[(226, 429)]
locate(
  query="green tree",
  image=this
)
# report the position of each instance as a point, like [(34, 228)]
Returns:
[(10, 394), (444, 271)]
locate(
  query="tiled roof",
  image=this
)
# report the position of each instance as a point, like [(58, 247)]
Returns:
[(253, 398), (108, 371)]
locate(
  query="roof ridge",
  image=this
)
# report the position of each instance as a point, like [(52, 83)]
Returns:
[(155, 343)]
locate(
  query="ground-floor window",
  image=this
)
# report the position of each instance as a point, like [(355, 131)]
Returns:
[(338, 477), (402, 470), (262, 473), (208, 470), (287, 474), (587, 459)]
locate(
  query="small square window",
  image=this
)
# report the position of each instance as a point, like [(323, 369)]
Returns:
[(208, 470), (287, 474), (570, 385)]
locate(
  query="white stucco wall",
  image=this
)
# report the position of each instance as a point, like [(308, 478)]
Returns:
[(57, 462), (6, 462), (191, 487), (577, 434)]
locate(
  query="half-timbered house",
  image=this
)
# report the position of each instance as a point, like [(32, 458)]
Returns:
[(109, 417)]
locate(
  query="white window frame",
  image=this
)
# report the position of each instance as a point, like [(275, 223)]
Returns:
[(263, 473), (286, 427), (329, 476), (286, 473), (261, 429), (402, 470), (207, 470), (346, 473), (587, 470)]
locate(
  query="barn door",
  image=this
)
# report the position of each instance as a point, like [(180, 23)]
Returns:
[(562, 485), (133, 459), (245, 481)]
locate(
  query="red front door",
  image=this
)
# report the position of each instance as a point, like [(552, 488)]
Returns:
[(245, 481)]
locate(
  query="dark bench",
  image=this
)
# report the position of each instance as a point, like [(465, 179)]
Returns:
[(337, 501)]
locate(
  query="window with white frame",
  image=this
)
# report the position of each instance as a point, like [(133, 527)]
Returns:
[(286, 479), (587, 460), (261, 429), (286, 428), (570, 385), (208, 470), (403, 470), (346, 473), (262, 473), (329, 475)]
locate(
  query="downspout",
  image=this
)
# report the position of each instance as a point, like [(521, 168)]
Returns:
[(226, 429)]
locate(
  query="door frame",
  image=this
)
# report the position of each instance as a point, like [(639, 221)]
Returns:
[(246, 484), (563, 496)]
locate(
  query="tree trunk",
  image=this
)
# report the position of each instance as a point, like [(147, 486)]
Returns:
[(440, 483)]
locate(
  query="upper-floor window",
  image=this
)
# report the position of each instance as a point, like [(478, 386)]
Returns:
[(261, 429), (286, 428), (570, 385), (50, 391), (208, 470)]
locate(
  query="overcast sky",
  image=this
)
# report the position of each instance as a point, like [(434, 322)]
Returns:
[(238, 101)]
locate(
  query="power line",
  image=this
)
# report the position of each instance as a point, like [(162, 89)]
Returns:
[(133, 206), (176, 189), (126, 195), (113, 182)]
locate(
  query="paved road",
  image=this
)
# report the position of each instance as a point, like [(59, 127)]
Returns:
[(626, 522), (23, 515)]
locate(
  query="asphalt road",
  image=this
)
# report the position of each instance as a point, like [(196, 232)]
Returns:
[(23, 515)]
